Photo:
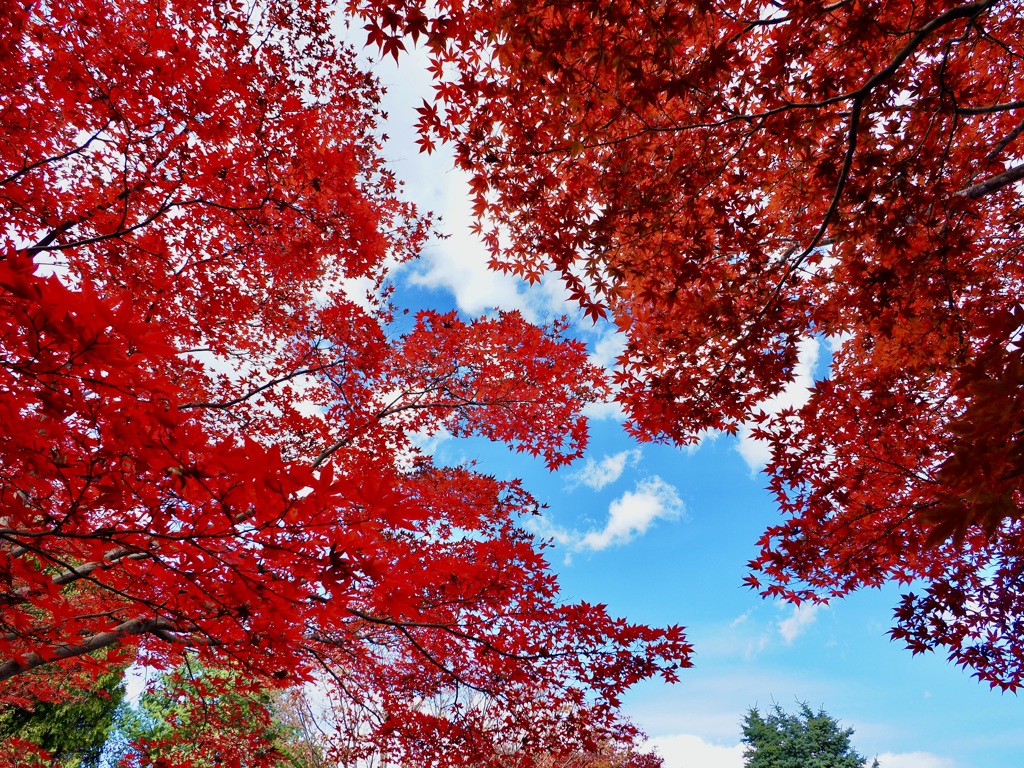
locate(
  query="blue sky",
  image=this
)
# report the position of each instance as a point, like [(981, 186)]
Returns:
[(662, 536)]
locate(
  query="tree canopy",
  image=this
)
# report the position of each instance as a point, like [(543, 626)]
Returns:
[(210, 400), (728, 180)]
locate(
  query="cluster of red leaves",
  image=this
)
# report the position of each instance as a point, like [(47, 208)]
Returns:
[(208, 442), (727, 178), (481, 731), (24, 753)]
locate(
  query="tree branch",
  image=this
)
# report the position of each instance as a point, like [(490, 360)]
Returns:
[(74, 573), (92, 643), (1008, 106), (1004, 142), (262, 388), (993, 184), (26, 168)]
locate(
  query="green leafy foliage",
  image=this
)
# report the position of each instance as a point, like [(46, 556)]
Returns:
[(72, 732), (203, 717)]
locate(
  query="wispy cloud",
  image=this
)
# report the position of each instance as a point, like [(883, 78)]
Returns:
[(598, 474), (741, 619), (803, 616), (429, 442)]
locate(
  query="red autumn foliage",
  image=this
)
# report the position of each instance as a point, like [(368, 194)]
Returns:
[(727, 178), (208, 439), (325, 727)]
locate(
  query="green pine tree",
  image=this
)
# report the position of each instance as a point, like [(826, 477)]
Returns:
[(779, 739)]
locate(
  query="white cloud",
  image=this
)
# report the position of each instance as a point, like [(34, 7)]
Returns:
[(913, 760), (741, 619), (428, 442), (610, 342), (755, 452), (629, 516), (632, 513), (459, 266), (804, 615), (686, 750), (458, 262), (545, 529), (598, 474), (835, 343), (609, 409), (361, 291), (755, 646), (608, 347)]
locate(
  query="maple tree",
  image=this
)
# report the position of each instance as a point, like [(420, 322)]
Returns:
[(209, 428), (725, 179)]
